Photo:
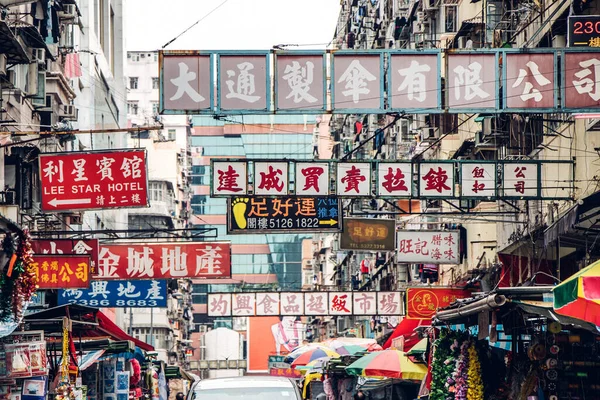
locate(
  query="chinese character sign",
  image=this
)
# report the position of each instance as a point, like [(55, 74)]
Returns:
[(368, 234), (436, 179), (357, 81), (394, 179), (340, 303), (365, 303), (141, 293), (390, 303), (165, 260), (243, 304), (530, 81), (267, 304), (69, 247), (300, 82), (414, 81), (478, 179), (219, 305), (186, 83), (428, 247), (316, 303), (93, 180), (57, 271), (244, 82), (582, 80), (520, 179), (270, 178), (312, 179), (292, 303), (472, 81), (424, 302), (354, 179), (229, 178)]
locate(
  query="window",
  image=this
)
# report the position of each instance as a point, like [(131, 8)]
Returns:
[(135, 57), (156, 58), (172, 134), (154, 83), (133, 82), (132, 107), (155, 110), (451, 18)]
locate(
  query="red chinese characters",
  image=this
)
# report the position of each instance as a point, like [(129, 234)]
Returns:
[(424, 302), (478, 179), (340, 303), (165, 260), (520, 180), (64, 272), (69, 247), (229, 178), (436, 179), (354, 179), (312, 179), (271, 178), (394, 179), (95, 180), (428, 247)]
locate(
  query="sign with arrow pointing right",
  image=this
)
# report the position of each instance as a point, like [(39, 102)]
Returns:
[(254, 214)]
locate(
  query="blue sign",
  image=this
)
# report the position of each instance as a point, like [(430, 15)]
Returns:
[(142, 293)]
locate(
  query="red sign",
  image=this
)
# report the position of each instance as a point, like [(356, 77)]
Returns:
[(69, 247), (98, 180), (423, 303), (165, 260), (62, 272), (286, 372)]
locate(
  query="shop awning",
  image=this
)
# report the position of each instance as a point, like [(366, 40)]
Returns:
[(406, 328), (577, 224), (109, 327)]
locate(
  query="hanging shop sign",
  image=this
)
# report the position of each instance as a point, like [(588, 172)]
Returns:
[(164, 260), (69, 246), (286, 372), (368, 234), (283, 214), (358, 82), (93, 180), (444, 179), (584, 31), (139, 293), (428, 247), (423, 302), (56, 271), (305, 303)]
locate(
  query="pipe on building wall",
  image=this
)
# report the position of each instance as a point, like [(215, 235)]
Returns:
[(488, 303)]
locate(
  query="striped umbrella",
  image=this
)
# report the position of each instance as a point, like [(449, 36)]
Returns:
[(314, 354), (298, 351), (350, 349), (388, 364), (579, 296), (314, 365)]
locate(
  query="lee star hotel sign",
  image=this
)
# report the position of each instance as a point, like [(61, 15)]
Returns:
[(380, 81)]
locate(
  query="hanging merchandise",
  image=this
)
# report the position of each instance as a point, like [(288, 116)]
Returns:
[(64, 390), (18, 363), (475, 389)]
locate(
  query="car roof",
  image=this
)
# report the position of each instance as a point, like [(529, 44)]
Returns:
[(245, 382)]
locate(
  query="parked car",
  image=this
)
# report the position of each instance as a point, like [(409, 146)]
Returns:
[(246, 388)]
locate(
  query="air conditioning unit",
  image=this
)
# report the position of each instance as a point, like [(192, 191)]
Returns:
[(38, 55), (3, 64), (68, 112)]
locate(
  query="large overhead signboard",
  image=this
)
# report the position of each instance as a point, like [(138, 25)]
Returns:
[(206, 260), (305, 303), (529, 79), (484, 180), (93, 180), (55, 271), (139, 293), (283, 214)]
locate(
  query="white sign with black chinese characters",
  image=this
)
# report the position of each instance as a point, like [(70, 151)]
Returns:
[(305, 303), (428, 247)]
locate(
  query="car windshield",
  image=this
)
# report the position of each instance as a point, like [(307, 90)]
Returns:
[(254, 393)]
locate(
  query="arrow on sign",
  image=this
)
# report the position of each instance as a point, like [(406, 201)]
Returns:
[(329, 222), (55, 202)]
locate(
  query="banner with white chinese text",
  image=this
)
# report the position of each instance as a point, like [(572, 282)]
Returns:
[(139, 293)]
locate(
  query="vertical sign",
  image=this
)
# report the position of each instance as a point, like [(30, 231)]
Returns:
[(478, 179), (414, 82), (357, 81), (436, 179), (353, 179), (186, 83), (300, 83), (581, 80), (394, 179), (520, 179), (529, 81), (271, 178), (229, 178), (472, 81), (244, 82), (93, 180)]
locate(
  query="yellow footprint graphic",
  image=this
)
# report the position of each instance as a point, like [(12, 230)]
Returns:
[(239, 211)]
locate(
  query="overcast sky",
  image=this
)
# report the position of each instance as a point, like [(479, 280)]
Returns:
[(237, 24)]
